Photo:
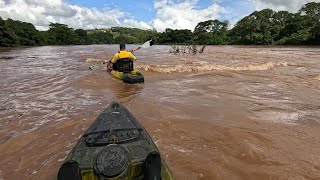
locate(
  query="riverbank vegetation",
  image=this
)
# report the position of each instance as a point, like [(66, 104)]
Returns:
[(263, 27)]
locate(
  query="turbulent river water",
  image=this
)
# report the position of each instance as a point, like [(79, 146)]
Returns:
[(232, 112)]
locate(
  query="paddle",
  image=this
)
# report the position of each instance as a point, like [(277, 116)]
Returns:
[(147, 44), (144, 45)]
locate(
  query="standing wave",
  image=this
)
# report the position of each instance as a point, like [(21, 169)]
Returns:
[(210, 67)]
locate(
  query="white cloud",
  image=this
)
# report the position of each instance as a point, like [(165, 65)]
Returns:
[(88, 18), (135, 24), (287, 5), (183, 15), (41, 13)]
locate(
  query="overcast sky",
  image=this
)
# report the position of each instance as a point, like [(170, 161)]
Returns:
[(145, 14)]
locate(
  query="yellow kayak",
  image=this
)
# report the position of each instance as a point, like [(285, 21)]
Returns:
[(128, 77), (132, 77)]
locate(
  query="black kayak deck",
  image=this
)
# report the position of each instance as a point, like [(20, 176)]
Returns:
[(115, 146)]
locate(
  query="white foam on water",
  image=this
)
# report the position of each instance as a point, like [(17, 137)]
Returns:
[(62, 159), (93, 60), (281, 116), (178, 148), (202, 67)]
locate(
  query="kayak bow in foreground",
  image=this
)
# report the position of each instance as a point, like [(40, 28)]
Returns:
[(115, 146)]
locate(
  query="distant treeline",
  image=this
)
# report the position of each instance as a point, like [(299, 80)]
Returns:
[(261, 27)]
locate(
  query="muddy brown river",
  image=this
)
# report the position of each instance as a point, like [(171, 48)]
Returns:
[(232, 112)]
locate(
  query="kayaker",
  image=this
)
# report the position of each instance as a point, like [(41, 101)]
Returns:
[(123, 60)]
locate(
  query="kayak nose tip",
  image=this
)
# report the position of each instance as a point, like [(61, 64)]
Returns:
[(115, 105)]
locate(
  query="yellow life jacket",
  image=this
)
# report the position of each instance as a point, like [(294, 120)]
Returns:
[(124, 54)]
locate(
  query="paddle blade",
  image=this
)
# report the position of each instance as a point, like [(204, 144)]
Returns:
[(147, 44)]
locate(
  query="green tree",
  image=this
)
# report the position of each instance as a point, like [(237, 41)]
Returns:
[(311, 9), (302, 28), (310, 14), (82, 36), (26, 33), (211, 32), (100, 37), (61, 34), (175, 36), (7, 37), (44, 38), (280, 21), (126, 38), (133, 35), (254, 29), (211, 26), (315, 34)]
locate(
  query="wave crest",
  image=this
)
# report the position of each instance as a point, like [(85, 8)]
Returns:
[(210, 67)]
